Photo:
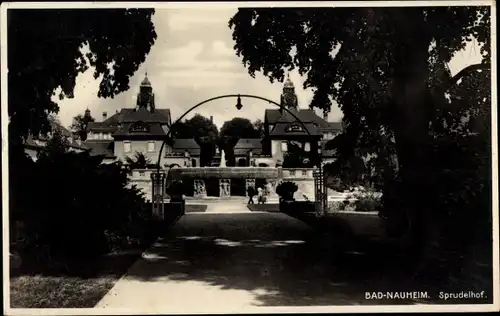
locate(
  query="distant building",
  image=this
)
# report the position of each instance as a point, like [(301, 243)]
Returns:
[(301, 127), (140, 129), (34, 144), (244, 150)]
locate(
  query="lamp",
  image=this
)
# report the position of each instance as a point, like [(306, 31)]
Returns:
[(238, 103)]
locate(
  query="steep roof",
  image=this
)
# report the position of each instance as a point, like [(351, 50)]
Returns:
[(33, 141), (281, 129), (154, 129), (246, 144), (305, 115), (189, 144), (125, 115), (142, 114), (101, 127)]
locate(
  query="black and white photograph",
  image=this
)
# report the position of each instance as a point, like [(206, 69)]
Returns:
[(249, 157)]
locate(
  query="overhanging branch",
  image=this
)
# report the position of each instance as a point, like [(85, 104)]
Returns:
[(463, 73)]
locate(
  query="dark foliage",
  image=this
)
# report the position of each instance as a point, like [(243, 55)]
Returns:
[(140, 161), (286, 189), (48, 56), (297, 157), (176, 189), (388, 73), (86, 210), (238, 128), (203, 130), (80, 124)]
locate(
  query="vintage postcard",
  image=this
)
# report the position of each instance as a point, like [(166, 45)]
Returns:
[(249, 157)]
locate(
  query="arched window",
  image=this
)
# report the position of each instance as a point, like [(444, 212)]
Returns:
[(139, 127), (294, 128)]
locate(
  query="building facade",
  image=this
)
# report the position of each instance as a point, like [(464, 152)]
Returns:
[(142, 129), (300, 128), (33, 145)]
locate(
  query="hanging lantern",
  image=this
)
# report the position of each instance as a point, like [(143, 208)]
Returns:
[(238, 103)]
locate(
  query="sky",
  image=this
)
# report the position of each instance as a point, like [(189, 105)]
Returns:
[(193, 60)]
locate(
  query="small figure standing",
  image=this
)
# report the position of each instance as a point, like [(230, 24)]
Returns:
[(261, 198), (251, 194)]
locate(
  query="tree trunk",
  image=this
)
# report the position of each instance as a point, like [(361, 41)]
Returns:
[(411, 105)]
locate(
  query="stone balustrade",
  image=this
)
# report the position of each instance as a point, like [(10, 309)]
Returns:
[(303, 177), (297, 173)]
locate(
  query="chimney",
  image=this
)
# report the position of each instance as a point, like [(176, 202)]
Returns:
[(104, 115), (211, 119)]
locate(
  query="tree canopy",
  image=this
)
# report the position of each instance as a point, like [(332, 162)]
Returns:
[(203, 130), (386, 68), (365, 59), (198, 127), (259, 126), (45, 53), (80, 124), (239, 128)]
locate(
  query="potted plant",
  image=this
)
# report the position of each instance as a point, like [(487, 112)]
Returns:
[(286, 190), (176, 191)]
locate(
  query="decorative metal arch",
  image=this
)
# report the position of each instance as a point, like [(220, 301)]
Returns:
[(217, 98)]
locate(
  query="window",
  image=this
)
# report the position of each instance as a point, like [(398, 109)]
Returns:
[(151, 146), (294, 128), (284, 146), (142, 173), (304, 172), (292, 172), (139, 127), (307, 147), (127, 147)]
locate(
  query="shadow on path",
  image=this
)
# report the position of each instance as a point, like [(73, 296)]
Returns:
[(279, 260)]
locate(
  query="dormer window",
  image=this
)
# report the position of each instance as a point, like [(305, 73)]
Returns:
[(294, 128), (139, 127)]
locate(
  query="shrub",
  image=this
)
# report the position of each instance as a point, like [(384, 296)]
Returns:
[(84, 211), (367, 203), (176, 190), (286, 189)]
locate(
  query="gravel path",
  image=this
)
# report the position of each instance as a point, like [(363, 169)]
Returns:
[(229, 259)]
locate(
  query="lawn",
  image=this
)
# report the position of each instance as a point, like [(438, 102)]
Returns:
[(33, 286), (83, 288)]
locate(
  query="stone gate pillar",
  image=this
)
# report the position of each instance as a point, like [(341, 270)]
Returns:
[(249, 183)]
